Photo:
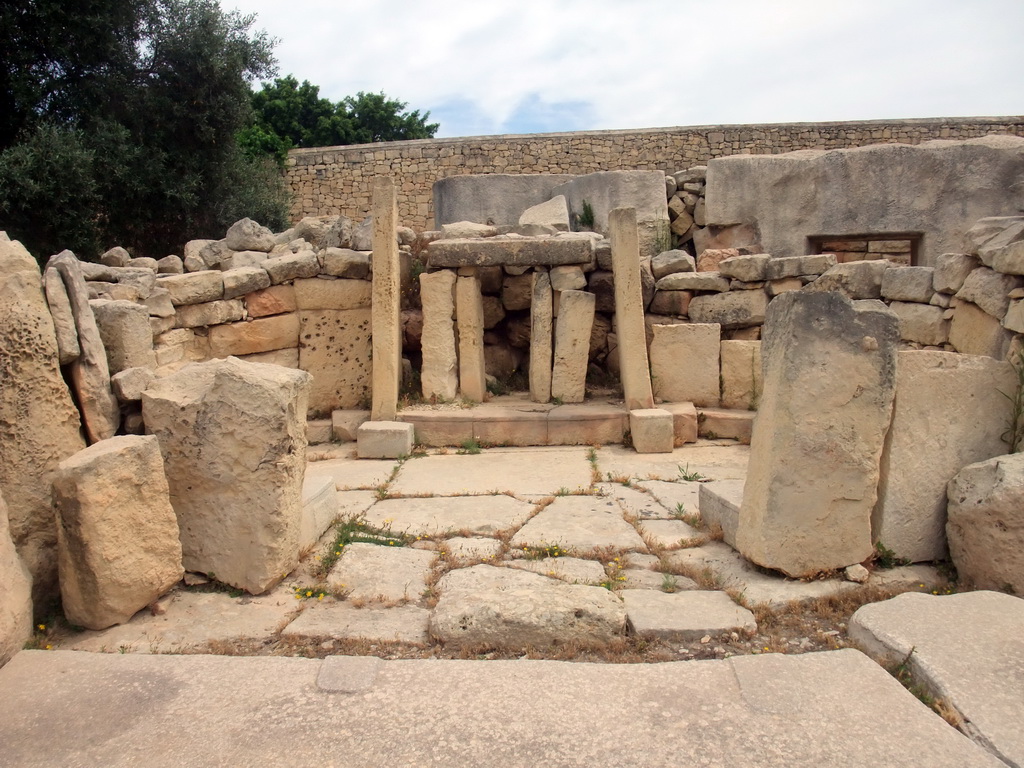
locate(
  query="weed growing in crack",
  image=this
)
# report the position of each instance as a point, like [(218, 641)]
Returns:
[(690, 477), (357, 530), (469, 447)]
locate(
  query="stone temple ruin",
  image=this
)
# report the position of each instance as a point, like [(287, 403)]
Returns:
[(853, 316)]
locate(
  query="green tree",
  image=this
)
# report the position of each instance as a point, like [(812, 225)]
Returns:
[(133, 143), (289, 114)]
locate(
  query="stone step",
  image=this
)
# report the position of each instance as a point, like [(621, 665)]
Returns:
[(725, 423), (719, 503), (319, 508)]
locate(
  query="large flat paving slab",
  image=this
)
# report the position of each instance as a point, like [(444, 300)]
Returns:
[(121, 711), (351, 473), (450, 514), (716, 460), (522, 471), (341, 621), (580, 523), (967, 649), (686, 615), (381, 573)]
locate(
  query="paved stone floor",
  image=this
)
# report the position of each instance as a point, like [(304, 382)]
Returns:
[(510, 556)]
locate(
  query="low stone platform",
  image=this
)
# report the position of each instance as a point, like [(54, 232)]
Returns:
[(835, 708)]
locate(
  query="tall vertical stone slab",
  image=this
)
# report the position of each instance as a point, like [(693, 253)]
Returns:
[(439, 375), (541, 344), (16, 595), (469, 309), (572, 346), (90, 374), (387, 283), (629, 309), (39, 425), (233, 439), (63, 318), (948, 413), (685, 363), (117, 536), (829, 382)]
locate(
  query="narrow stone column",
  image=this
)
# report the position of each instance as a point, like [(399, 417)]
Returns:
[(439, 375), (385, 319), (541, 309), (469, 309), (572, 346), (629, 309)]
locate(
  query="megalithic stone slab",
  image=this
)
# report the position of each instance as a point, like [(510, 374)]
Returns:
[(63, 317), (40, 423), (440, 373), (629, 309), (572, 346), (829, 382), (233, 438), (90, 374), (386, 324), (571, 248), (541, 340), (16, 597), (117, 536), (469, 308)]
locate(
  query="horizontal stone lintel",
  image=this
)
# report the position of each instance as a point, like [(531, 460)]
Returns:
[(514, 252)]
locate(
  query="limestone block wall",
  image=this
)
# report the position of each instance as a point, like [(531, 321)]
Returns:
[(338, 180)]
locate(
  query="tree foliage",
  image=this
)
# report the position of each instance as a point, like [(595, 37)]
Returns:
[(121, 129), (289, 114)]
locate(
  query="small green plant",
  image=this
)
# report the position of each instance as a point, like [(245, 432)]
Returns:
[(886, 558), (1014, 434), (556, 401), (539, 553), (356, 530), (309, 593), (614, 574), (669, 583), (690, 477), (469, 447), (586, 220)]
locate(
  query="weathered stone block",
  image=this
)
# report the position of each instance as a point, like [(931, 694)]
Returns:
[(652, 430), (334, 347), (318, 293), (248, 235), (693, 281), (210, 313), (554, 213), (684, 422), (951, 269), (469, 311), (974, 331), (563, 249), (343, 262), (233, 438), (124, 328), (384, 439), (572, 346), (16, 597), (908, 284), (439, 375), (736, 309), (671, 262), (829, 380), (986, 523), (922, 323), (262, 335), (275, 300), (855, 279), (948, 413), (989, 290), (117, 535), (685, 362), (345, 424), (289, 266), (750, 269), (194, 288), (243, 280), (797, 266), (741, 374), (541, 338)]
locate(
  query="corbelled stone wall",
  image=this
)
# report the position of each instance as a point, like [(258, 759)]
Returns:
[(338, 180)]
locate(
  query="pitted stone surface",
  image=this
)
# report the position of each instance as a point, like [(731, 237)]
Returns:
[(385, 573), (687, 615), (442, 514), (579, 523), (341, 621), (965, 648)]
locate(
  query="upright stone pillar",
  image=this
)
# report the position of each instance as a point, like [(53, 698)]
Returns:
[(385, 314), (469, 309), (829, 382), (439, 375), (629, 309), (572, 346), (541, 309)]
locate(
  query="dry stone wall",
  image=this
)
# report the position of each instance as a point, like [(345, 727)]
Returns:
[(338, 180)]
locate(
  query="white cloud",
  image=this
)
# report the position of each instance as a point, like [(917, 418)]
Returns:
[(485, 66)]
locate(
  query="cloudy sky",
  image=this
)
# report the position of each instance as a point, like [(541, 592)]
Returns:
[(525, 66)]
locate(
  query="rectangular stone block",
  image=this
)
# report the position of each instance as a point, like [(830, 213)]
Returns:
[(921, 323), (263, 335), (335, 349), (439, 375), (286, 358), (567, 249), (519, 428), (194, 288), (652, 430), (685, 362), (275, 300), (208, 313), (345, 424), (469, 309), (384, 439), (948, 413), (572, 346), (318, 431), (719, 502), (735, 309), (319, 509), (635, 370), (741, 374), (586, 424), (541, 338), (386, 309), (975, 332), (440, 428), (717, 423), (829, 381), (320, 293)]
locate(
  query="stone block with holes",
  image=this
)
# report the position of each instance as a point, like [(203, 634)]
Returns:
[(384, 439), (652, 430)]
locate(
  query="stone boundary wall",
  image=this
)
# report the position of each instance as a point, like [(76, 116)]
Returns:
[(338, 180)]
